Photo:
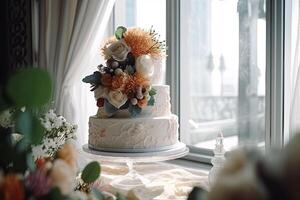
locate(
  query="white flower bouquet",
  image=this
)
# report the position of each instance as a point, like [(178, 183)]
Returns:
[(57, 131)]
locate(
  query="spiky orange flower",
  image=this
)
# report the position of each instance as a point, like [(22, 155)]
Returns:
[(119, 82), (106, 80), (143, 42), (133, 82)]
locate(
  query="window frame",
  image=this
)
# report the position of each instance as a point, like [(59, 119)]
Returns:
[(274, 110)]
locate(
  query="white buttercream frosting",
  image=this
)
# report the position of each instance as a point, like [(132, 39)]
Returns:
[(133, 133)]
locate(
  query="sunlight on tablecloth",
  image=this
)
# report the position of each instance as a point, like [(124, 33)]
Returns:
[(166, 181)]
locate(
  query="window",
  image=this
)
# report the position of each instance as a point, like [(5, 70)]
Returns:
[(220, 54), (222, 72)]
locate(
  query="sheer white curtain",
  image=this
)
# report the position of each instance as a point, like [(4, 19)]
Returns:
[(295, 67), (70, 33)]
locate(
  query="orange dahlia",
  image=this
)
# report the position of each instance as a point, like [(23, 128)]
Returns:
[(119, 82)]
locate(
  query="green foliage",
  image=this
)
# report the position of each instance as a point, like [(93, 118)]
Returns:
[(119, 32), (98, 194), (91, 172), (151, 101), (31, 88), (55, 194), (94, 79), (109, 108), (197, 194), (134, 110), (152, 92), (4, 102), (30, 126), (120, 197)]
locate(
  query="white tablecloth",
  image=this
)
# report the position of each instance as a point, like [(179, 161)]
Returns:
[(166, 181)]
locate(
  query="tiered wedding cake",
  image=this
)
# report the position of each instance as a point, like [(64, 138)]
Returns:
[(134, 111)]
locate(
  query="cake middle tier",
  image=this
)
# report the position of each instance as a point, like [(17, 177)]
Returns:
[(161, 107), (135, 133)]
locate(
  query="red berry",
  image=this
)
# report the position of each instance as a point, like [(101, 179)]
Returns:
[(100, 102)]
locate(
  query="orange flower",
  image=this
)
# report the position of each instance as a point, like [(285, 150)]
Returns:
[(12, 188), (119, 82), (68, 154), (142, 103), (142, 42), (106, 80), (135, 81)]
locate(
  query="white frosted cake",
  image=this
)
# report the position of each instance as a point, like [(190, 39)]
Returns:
[(134, 111)]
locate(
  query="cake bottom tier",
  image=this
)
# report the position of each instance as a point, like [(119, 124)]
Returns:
[(138, 134)]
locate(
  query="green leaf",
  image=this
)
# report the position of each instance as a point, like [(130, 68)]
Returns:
[(91, 172), (31, 87), (30, 127), (55, 194), (151, 101), (197, 194), (134, 110), (120, 31), (152, 92), (19, 161), (30, 162), (98, 194), (120, 197), (109, 108)]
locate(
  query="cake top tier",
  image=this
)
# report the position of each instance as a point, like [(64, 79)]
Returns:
[(133, 63)]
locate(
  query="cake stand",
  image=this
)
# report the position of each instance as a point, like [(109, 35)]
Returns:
[(133, 178)]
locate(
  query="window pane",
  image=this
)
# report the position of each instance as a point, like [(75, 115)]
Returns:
[(222, 73), (139, 13)]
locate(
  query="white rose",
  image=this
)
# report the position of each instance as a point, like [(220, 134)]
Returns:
[(117, 98), (100, 92), (118, 50), (144, 65)]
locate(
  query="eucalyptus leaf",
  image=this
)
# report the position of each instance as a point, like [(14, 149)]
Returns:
[(28, 125), (134, 110), (91, 172), (31, 87), (151, 101), (98, 194), (125, 106), (109, 108), (152, 92), (30, 162), (120, 31), (94, 78)]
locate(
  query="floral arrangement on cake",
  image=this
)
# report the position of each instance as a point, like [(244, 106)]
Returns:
[(125, 81)]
